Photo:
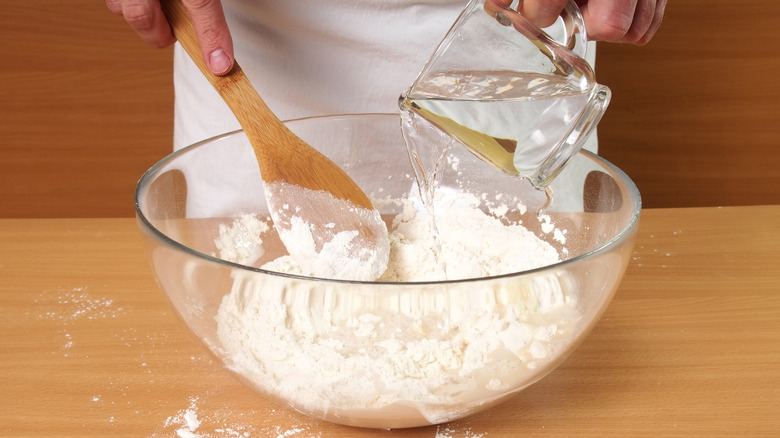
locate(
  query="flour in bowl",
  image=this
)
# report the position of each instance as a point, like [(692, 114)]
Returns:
[(354, 247), (464, 242), (398, 353)]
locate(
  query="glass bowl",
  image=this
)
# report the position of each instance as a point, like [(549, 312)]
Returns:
[(383, 354)]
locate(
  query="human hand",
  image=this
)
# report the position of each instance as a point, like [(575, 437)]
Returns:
[(618, 21), (147, 19)]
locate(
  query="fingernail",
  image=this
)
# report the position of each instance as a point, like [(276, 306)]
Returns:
[(219, 62)]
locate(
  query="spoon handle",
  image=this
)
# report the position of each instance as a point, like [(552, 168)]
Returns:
[(254, 116), (281, 155)]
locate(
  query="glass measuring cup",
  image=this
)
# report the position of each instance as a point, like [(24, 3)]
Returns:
[(522, 98)]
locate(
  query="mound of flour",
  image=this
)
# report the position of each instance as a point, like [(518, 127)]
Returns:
[(403, 351), (459, 241), (464, 242)]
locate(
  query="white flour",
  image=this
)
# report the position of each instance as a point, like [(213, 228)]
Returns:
[(467, 243), (418, 353), (355, 247), (241, 242), (195, 421)]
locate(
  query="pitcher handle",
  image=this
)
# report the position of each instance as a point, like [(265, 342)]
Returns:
[(574, 37)]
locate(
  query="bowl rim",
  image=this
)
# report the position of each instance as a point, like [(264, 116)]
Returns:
[(625, 233)]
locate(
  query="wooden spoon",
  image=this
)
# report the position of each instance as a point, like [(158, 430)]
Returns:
[(327, 223)]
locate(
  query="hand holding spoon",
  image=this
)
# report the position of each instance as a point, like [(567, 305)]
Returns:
[(327, 223)]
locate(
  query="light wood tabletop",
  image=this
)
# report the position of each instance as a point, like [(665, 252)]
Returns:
[(689, 346)]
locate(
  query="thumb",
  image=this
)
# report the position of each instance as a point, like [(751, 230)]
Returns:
[(214, 38), (542, 13)]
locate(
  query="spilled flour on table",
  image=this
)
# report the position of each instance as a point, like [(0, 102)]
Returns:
[(449, 431), (195, 422), (71, 304), (67, 306)]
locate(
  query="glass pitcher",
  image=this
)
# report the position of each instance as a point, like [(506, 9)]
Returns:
[(522, 98)]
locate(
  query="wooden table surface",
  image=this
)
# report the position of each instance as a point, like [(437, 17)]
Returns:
[(689, 346)]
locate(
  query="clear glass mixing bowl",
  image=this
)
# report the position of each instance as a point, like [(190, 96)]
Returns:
[(374, 354)]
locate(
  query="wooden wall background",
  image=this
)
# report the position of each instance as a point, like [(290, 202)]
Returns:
[(695, 118), (87, 108)]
